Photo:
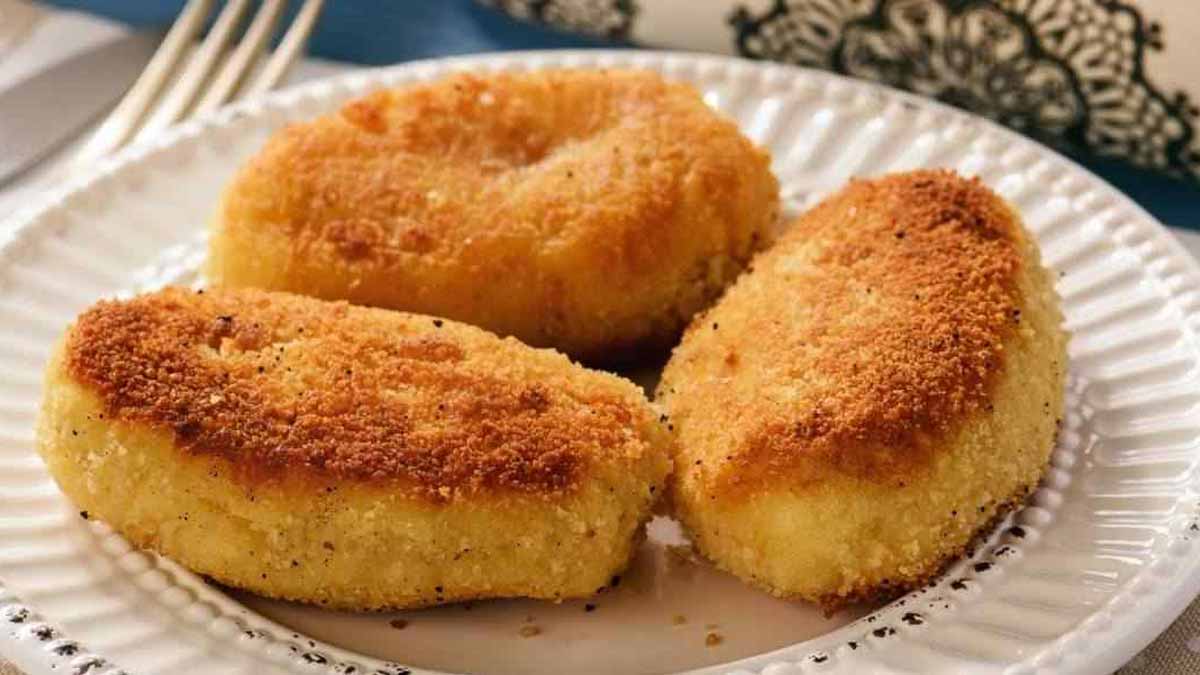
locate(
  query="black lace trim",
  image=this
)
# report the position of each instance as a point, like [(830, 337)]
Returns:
[(1070, 72), (611, 19)]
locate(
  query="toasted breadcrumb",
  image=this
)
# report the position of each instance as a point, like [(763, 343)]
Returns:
[(300, 429), (898, 377), (590, 211)]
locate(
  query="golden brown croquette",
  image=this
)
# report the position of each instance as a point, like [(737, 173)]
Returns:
[(590, 211), (884, 384), (351, 457)]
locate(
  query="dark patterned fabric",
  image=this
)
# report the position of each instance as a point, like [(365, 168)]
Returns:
[(1070, 72), (604, 18)]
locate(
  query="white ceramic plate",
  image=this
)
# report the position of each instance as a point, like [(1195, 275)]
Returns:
[(1099, 562)]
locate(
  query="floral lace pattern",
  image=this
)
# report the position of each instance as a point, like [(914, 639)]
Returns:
[(1069, 72), (603, 18)]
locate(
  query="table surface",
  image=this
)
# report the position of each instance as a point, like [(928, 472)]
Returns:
[(388, 32)]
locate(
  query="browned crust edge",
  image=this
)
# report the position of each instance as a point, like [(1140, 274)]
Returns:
[(886, 592)]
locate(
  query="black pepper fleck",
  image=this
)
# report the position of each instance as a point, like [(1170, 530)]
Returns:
[(86, 666)]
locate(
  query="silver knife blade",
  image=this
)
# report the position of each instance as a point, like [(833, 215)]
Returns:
[(41, 112)]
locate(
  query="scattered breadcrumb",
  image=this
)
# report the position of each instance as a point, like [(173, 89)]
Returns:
[(529, 630), (398, 624), (679, 619), (713, 639), (681, 553)]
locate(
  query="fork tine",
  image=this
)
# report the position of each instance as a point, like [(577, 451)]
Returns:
[(181, 95), (244, 55), (289, 48), (121, 122)]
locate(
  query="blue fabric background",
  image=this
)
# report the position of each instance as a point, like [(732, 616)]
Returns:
[(390, 31)]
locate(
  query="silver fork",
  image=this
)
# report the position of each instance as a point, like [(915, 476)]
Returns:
[(16, 21), (214, 74)]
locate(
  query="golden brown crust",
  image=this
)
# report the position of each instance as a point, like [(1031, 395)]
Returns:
[(279, 384), (591, 211), (907, 286), (884, 383)]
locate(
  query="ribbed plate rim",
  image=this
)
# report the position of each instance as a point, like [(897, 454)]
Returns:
[(1149, 615)]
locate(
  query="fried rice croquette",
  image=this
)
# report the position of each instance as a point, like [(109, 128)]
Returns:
[(590, 211), (883, 386), (351, 457)]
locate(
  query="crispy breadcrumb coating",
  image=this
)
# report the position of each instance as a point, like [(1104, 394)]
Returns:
[(352, 457), (590, 211), (885, 382)]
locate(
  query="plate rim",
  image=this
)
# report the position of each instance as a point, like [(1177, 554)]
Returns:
[(1140, 624)]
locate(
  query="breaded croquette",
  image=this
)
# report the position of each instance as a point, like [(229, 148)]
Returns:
[(884, 384), (351, 457), (590, 211)]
